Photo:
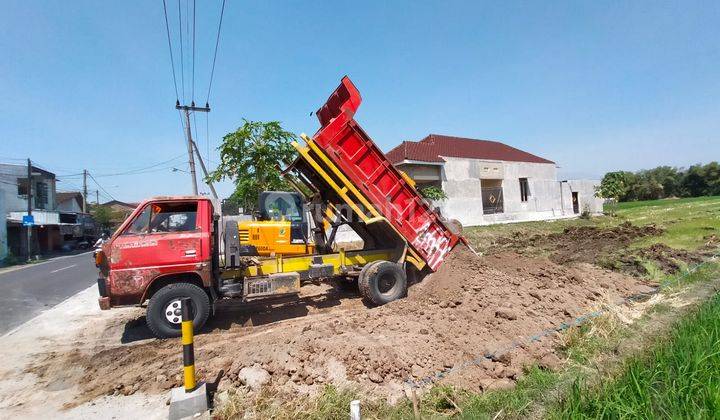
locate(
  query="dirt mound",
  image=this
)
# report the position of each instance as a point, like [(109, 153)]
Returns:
[(668, 260), (471, 307), (577, 243)]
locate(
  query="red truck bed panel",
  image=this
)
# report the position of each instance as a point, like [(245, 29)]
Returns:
[(351, 149)]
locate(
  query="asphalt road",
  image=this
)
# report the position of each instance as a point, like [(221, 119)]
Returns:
[(26, 292)]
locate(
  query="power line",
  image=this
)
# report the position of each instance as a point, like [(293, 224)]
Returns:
[(100, 186), (172, 60), (192, 98), (217, 42), (140, 170), (182, 59)]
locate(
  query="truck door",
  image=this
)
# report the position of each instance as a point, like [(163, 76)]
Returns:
[(164, 237)]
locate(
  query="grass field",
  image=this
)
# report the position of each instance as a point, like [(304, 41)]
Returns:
[(678, 378), (687, 222)]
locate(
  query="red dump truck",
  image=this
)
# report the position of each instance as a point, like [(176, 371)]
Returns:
[(175, 247)]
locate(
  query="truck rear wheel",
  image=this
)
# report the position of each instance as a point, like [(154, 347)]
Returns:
[(381, 282), (163, 313)]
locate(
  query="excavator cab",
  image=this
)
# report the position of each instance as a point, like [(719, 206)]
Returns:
[(280, 228)]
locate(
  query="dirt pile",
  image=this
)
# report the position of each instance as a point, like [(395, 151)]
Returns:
[(471, 307), (578, 243)]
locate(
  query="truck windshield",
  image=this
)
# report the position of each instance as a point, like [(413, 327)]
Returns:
[(173, 217), (140, 224)]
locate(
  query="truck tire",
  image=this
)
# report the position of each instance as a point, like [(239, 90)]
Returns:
[(163, 312), (381, 282)]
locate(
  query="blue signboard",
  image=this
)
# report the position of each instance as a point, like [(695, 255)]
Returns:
[(28, 220)]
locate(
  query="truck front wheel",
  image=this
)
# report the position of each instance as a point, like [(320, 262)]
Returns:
[(163, 312), (381, 282)]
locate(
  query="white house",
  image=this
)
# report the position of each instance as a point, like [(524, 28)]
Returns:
[(490, 182)]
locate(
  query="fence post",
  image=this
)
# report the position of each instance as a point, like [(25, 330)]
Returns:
[(355, 410), (187, 342)]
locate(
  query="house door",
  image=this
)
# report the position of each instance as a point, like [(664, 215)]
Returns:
[(492, 200), (576, 203)]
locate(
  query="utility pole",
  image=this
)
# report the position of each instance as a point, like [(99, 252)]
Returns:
[(191, 158), (202, 165), (97, 197), (29, 209), (84, 206)]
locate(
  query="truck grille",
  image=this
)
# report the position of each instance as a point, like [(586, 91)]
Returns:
[(244, 235)]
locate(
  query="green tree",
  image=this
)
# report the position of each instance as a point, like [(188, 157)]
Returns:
[(433, 193), (103, 216), (612, 186), (694, 183), (250, 155)]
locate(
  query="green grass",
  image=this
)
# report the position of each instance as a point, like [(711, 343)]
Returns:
[(513, 403), (686, 221), (678, 378)]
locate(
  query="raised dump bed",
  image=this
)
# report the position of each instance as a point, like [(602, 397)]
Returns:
[(348, 146)]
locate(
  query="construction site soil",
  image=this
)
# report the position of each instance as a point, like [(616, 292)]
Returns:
[(605, 247), (472, 306)]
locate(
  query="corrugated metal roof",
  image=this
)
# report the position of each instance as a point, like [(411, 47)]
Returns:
[(432, 147)]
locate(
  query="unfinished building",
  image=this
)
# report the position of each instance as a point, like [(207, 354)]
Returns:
[(490, 182)]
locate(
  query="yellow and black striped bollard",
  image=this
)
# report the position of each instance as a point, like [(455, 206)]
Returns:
[(187, 342)]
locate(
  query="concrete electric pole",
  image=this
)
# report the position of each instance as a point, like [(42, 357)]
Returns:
[(29, 209), (84, 206), (191, 158)]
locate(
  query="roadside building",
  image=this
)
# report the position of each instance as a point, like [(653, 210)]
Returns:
[(490, 182), (15, 184), (120, 211), (59, 222), (70, 202)]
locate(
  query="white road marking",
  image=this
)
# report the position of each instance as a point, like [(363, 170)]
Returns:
[(64, 268)]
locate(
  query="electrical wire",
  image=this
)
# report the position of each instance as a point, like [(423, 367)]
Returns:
[(141, 170), (172, 60), (100, 186), (182, 59), (217, 42), (192, 98)]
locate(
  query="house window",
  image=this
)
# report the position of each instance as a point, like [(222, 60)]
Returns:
[(41, 195), (22, 184), (524, 190)]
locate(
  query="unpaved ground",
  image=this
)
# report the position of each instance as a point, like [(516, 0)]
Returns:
[(76, 324), (471, 307), (605, 247)]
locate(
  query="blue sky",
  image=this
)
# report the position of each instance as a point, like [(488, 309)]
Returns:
[(594, 86)]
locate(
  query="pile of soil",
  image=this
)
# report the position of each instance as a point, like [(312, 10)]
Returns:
[(667, 259), (607, 248), (471, 307), (578, 243)]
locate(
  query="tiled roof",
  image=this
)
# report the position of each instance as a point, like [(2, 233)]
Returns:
[(432, 147)]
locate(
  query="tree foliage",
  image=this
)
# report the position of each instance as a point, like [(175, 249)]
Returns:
[(433, 193), (103, 216), (662, 182), (250, 155)]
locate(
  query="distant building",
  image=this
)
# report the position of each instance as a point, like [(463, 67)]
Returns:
[(71, 202), (58, 217), (14, 185), (490, 182), (120, 211)]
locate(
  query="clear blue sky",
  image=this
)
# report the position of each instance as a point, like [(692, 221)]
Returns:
[(594, 86)]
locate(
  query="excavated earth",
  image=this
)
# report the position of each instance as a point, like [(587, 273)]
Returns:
[(473, 306)]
